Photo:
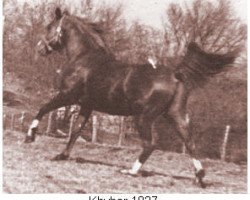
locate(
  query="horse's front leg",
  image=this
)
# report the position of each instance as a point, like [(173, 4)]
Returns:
[(62, 99), (81, 121)]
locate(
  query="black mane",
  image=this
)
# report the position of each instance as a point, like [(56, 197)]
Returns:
[(93, 31)]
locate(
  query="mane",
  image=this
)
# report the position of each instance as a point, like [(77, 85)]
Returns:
[(93, 32)]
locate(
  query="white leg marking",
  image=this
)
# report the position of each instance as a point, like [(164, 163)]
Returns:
[(34, 124), (197, 164), (136, 167)]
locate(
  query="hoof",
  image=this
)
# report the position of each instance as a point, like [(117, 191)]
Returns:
[(29, 139), (60, 157), (200, 173), (199, 178), (128, 172), (200, 183)]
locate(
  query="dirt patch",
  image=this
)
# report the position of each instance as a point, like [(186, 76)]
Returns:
[(27, 168)]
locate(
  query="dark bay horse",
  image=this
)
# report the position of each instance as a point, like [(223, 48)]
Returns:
[(95, 80)]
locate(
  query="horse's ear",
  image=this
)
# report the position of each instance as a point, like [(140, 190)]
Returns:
[(58, 13)]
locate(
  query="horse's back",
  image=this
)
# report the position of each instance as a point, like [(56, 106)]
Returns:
[(145, 80), (129, 88)]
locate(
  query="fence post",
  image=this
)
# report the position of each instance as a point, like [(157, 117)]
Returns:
[(224, 144), (48, 130), (4, 121), (12, 122), (121, 131), (183, 148), (72, 119), (187, 119), (94, 129), (22, 121)]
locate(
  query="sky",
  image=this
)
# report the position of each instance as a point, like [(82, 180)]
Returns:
[(150, 12)]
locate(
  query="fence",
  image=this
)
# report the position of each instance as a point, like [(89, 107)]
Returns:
[(112, 130)]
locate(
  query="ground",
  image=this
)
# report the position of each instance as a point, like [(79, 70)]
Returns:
[(28, 168)]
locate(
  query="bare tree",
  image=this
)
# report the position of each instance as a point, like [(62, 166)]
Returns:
[(212, 25)]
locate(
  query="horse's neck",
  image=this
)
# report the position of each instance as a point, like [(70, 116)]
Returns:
[(89, 55), (78, 46), (74, 48), (91, 60)]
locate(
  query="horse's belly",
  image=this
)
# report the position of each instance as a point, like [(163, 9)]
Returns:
[(121, 107), (122, 112)]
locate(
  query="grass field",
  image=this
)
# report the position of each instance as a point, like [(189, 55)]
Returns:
[(27, 168)]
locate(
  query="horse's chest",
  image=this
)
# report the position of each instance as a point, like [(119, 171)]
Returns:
[(78, 75)]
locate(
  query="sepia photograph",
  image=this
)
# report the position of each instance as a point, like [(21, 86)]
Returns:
[(124, 97)]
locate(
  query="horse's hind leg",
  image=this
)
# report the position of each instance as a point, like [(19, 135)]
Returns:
[(182, 124), (149, 141), (80, 123), (58, 101)]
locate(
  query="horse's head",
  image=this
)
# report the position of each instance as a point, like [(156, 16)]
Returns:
[(76, 33), (55, 36)]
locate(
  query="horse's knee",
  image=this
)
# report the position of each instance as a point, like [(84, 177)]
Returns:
[(181, 123)]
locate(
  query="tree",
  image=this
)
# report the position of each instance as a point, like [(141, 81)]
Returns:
[(212, 25)]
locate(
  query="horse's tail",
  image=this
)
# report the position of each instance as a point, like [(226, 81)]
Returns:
[(197, 65)]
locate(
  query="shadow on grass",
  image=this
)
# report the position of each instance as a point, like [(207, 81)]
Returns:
[(144, 173)]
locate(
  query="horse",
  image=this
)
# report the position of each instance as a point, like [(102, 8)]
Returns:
[(95, 80)]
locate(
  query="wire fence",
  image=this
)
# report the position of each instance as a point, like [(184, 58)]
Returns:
[(104, 129)]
